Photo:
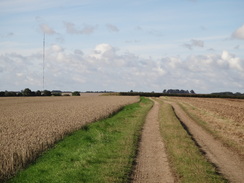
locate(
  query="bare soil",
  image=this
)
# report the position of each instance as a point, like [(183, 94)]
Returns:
[(229, 163), (152, 164)]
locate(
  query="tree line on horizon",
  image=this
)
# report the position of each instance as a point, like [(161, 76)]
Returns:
[(185, 93), (169, 92), (177, 91), (28, 92)]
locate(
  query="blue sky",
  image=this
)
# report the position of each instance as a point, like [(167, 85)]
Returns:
[(140, 45)]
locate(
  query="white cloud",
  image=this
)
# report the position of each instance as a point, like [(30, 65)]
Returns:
[(103, 48), (104, 51), (225, 55), (57, 48), (239, 33), (232, 61), (107, 68), (19, 70), (86, 29)]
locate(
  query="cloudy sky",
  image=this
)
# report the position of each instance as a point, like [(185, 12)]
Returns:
[(122, 45)]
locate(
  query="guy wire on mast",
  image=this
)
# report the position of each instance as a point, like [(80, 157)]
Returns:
[(43, 60)]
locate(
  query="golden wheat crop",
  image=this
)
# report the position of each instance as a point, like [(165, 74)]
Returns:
[(28, 126)]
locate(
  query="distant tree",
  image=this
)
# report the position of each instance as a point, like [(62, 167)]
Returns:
[(47, 93), (192, 92), (131, 91), (6, 93), (20, 94), (27, 92), (38, 93), (176, 91), (2, 93), (238, 94), (75, 93), (10, 94)]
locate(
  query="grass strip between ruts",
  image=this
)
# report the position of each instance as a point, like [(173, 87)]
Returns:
[(186, 160), (100, 152)]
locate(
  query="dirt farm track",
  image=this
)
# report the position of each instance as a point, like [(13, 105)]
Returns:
[(153, 166)]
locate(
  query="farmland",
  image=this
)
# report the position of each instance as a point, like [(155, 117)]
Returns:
[(199, 139), (33, 124), (223, 118)]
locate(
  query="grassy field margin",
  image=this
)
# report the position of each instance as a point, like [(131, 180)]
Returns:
[(187, 161), (100, 152)]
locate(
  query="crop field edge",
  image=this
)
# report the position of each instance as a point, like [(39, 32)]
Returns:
[(39, 122), (144, 104)]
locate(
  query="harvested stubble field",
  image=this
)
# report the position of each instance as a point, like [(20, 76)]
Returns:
[(28, 126), (222, 117)]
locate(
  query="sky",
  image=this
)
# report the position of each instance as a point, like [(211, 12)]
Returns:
[(122, 45)]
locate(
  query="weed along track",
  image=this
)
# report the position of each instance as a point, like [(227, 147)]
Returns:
[(230, 165), (152, 164)]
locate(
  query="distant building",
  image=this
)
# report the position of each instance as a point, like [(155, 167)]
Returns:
[(66, 93)]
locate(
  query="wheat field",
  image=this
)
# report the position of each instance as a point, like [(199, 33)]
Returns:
[(30, 125)]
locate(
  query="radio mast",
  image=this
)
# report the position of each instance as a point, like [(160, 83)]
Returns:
[(43, 61)]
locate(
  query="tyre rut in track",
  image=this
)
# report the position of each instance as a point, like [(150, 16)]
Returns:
[(228, 163), (152, 164)]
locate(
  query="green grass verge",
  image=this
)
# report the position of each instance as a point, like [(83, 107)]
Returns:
[(187, 162), (100, 152)]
